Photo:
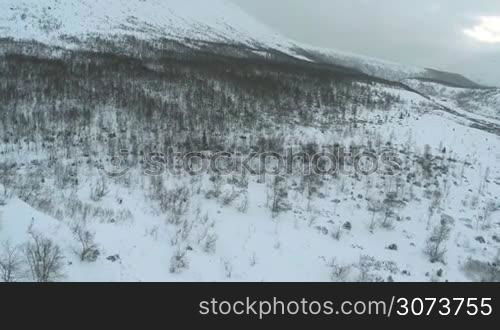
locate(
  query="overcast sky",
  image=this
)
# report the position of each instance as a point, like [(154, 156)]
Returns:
[(458, 35)]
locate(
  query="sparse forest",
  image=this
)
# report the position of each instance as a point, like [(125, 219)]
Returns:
[(67, 117)]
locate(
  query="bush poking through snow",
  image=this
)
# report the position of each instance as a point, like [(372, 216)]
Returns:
[(243, 205), (10, 263), (364, 266), (175, 203), (337, 233), (87, 250), (482, 271), (5, 195), (374, 206), (278, 196), (178, 262), (216, 189), (210, 244), (388, 217), (228, 197), (435, 248), (44, 258), (339, 273), (228, 269), (99, 190)]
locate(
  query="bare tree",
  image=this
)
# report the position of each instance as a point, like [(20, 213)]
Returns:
[(210, 244), (5, 194), (45, 259), (435, 244), (10, 263), (243, 206), (175, 203), (364, 266), (278, 196), (339, 273), (228, 268), (488, 210), (484, 182), (374, 206), (179, 261), (87, 250), (99, 191)]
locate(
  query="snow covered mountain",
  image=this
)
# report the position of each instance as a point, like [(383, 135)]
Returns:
[(103, 103), (49, 20), (479, 101), (61, 23)]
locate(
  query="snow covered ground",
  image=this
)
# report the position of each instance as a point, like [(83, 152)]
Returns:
[(475, 103), (54, 21), (206, 227), (333, 236)]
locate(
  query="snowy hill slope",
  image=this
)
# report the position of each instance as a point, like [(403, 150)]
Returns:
[(57, 22), (337, 228), (80, 134), (474, 101), (384, 69), (49, 20)]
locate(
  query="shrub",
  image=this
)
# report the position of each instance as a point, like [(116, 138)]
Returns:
[(210, 243), (435, 248), (175, 202), (278, 196), (178, 262), (45, 259), (482, 271), (99, 190), (87, 250), (10, 263), (339, 273)]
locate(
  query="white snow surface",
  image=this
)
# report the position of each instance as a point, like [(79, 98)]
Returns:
[(49, 20), (252, 245), (298, 245), (479, 103)]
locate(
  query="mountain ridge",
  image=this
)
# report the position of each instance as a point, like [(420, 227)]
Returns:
[(57, 23)]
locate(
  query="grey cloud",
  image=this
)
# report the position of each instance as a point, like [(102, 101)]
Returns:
[(426, 33)]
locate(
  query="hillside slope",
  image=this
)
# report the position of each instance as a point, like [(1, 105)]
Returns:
[(49, 20), (62, 23), (128, 143)]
